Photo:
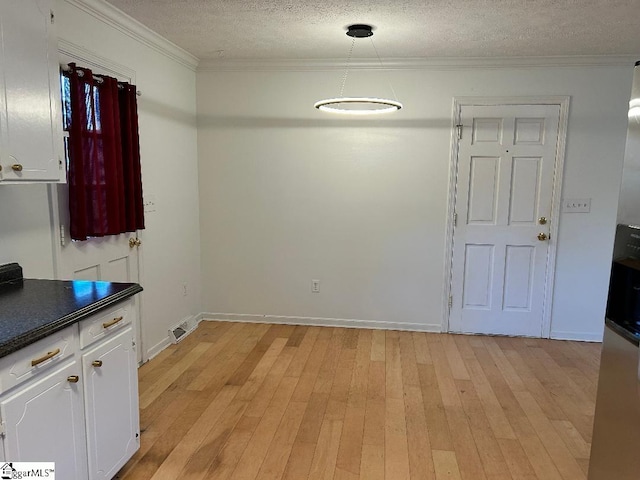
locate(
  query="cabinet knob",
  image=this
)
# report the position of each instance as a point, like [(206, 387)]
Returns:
[(16, 167), (73, 378), (97, 363)]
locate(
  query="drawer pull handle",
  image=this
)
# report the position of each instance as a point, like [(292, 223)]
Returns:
[(73, 378), (45, 357), (112, 322), (97, 363), (16, 167)]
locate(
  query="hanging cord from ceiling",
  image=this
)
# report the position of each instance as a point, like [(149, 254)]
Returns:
[(385, 72), (346, 72)]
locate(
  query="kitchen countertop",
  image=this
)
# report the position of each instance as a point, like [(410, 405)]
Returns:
[(625, 333), (33, 309)]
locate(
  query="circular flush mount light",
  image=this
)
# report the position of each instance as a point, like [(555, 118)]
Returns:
[(358, 105)]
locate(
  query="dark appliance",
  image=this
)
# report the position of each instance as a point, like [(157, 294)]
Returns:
[(616, 427), (623, 304)]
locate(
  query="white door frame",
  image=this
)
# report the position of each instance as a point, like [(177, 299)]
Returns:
[(71, 51), (458, 103)]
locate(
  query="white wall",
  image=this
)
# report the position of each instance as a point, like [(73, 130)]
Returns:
[(289, 194), (171, 241), (629, 209), (25, 229)]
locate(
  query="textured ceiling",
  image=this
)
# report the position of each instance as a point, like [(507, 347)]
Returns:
[(314, 29)]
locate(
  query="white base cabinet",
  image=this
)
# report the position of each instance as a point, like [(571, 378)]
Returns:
[(78, 407), (44, 422), (111, 404)]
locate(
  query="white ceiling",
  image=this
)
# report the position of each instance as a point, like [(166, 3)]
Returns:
[(314, 29)]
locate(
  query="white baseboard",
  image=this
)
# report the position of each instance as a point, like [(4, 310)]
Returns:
[(577, 336), (159, 347), (195, 320), (320, 322)]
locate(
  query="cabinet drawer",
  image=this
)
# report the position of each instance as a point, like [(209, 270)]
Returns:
[(33, 359), (104, 323)]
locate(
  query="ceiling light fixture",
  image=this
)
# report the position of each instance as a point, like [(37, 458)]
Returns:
[(358, 105)]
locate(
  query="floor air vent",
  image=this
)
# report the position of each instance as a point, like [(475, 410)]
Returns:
[(179, 332)]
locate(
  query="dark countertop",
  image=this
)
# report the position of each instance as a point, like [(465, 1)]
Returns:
[(33, 309), (625, 333)]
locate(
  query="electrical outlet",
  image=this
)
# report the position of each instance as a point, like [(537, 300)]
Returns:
[(315, 286), (576, 205)]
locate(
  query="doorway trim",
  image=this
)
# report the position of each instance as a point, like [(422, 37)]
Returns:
[(68, 51), (458, 102)]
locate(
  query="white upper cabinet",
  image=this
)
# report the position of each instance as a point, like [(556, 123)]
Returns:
[(31, 148)]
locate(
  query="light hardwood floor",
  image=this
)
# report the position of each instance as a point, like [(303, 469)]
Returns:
[(257, 401)]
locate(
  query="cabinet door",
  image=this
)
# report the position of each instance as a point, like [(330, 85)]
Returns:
[(30, 105), (111, 404), (44, 422)]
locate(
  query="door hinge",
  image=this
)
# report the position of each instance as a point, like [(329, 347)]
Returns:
[(3, 429), (53, 16), (459, 128), (62, 236), (455, 219), (133, 344), (450, 301)]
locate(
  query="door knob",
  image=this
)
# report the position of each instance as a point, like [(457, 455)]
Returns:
[(542, 220), (542, 237), (16, 167), (97, 363), (73, 378), (138, 242), (132, 242)]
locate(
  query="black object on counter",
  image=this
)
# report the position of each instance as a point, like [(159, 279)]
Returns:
[(10, 272), (34, 309)]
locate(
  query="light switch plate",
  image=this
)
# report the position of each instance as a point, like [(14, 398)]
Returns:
[(576, 205)]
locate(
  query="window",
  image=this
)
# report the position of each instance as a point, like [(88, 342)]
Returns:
[(100, 121)]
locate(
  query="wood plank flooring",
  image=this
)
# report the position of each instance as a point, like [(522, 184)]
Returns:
[(257, 401)]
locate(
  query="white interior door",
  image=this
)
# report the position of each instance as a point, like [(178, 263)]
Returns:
[(504, 190), (112, 258)]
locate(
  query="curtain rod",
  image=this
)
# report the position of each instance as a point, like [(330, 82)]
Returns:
[(97, 79)]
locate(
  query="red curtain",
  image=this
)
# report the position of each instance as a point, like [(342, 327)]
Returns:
[(105, 184)]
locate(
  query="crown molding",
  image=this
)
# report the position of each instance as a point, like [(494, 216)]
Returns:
[(116, 18), (436, 63), (88, 58)]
